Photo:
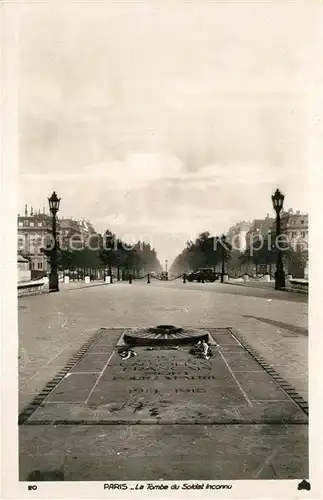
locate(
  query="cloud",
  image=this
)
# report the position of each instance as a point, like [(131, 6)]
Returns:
[(169, 116), (139, 170), (89, 93)]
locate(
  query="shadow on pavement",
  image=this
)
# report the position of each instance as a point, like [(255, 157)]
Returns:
[(45, 475), (297, 330), (71, 289), (263, 292)]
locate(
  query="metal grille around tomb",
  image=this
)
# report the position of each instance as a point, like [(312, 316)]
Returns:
[(164, 335)]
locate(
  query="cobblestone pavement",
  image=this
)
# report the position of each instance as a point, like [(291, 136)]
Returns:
[(53, 327)]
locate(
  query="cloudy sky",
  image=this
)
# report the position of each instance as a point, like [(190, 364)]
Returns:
[(161, 120)]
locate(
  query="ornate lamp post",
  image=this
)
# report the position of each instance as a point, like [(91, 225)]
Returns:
[(223, 242), (53, 277), (269, 253), (278, 201)]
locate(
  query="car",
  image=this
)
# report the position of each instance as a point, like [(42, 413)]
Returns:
[(164, 276), (204, 274)]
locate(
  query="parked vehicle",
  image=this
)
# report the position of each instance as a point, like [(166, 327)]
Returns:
[(205, 274), (164, 276)]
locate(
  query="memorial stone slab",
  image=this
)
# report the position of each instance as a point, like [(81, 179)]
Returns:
[(166, 383)]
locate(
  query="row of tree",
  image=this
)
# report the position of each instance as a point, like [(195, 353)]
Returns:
[(110, 253), (207, 251), (263, 252)]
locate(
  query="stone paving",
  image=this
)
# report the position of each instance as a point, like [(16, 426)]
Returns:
[(53, 327), (170, 452), (167, 385)]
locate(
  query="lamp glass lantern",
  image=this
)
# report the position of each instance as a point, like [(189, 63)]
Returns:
[(278, 200), (54, 203)]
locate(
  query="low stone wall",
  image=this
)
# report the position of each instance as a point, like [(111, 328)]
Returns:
[(297, 285), (31, 288)]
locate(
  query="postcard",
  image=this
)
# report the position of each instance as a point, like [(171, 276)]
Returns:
[(161, 213)]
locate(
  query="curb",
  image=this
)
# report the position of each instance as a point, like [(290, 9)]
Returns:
[(251, 286)]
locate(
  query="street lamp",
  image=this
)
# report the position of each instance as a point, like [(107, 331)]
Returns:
[(53, 276), (269, 253), (223, 240), (278, 201)]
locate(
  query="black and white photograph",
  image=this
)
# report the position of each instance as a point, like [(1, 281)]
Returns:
[(162, 251)]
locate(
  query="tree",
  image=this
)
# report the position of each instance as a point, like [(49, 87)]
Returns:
[(65, 259), (108, 253), (264, 252), (146, 258), (295, 260), (205, 251), (234, 263), (86, 258), (139, 257)]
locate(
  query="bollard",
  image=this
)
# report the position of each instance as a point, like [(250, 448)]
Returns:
[(130, 279), (184, 278), (148, 278)]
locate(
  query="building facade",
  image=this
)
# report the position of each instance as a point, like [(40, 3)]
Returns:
[(295, 226), (259, 227), (34, 230), (237, 235), (74, 233)]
